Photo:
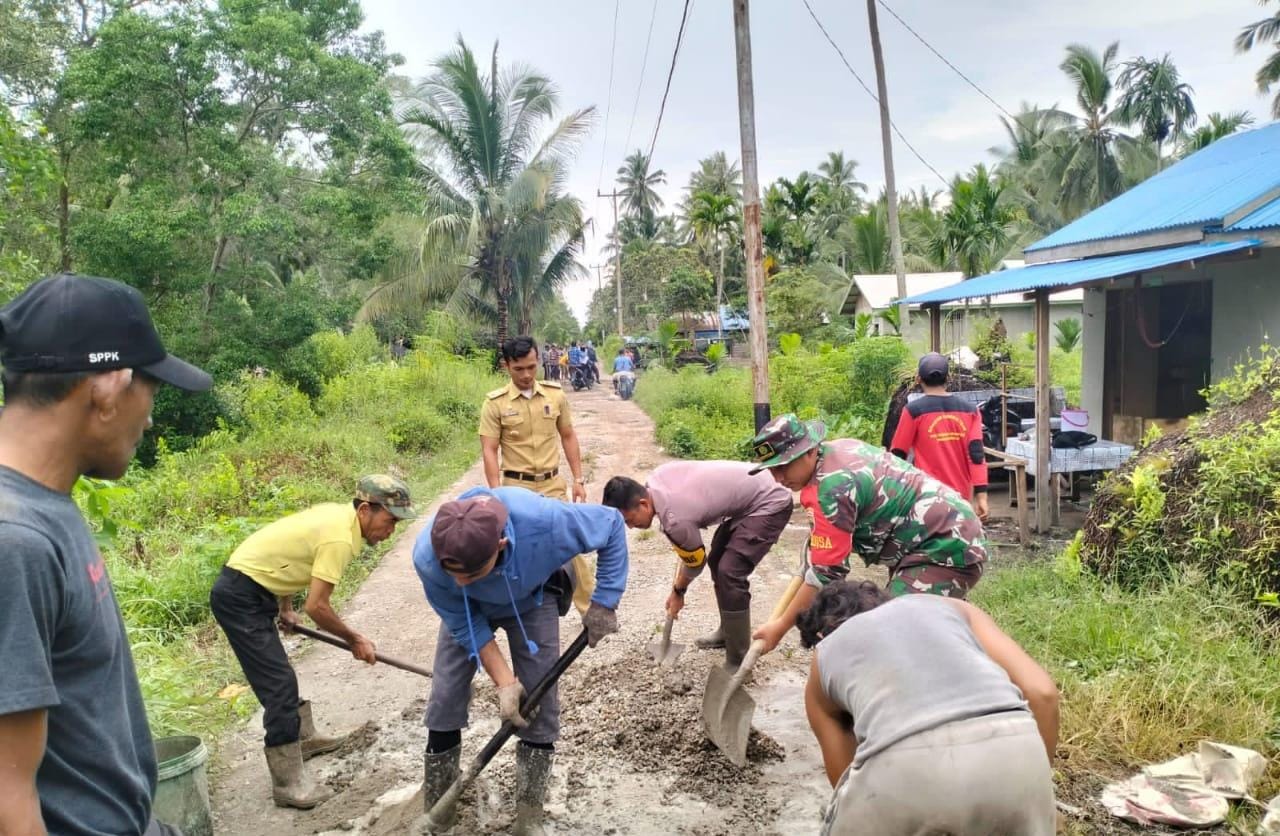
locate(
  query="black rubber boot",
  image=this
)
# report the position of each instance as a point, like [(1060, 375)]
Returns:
[(533, 773), (439, 771), (313, 743), (737, 637)]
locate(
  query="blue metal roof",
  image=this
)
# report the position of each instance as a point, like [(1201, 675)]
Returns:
[(1080, 271), (1266, 215), (1198, 191)]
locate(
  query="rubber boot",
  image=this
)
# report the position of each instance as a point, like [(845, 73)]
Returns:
[(312, 743), (439, 771), (737, 637), (533, 773), (713, 640), (290, 786)]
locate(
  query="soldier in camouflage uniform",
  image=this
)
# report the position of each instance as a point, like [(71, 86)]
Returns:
[(872, 503)]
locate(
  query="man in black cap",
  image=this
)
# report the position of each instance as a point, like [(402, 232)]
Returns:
[(82, 363), (945, 432), (497, 559)]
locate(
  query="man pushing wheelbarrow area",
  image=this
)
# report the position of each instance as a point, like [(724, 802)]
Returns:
[(871, 502), (751, 511), (500, 558)]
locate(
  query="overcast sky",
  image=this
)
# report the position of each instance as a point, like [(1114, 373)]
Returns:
[(806, 102)]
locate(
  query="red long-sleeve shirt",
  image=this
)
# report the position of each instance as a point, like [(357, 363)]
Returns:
[(946, 434)]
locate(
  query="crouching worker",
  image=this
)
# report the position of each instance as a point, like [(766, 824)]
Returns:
[(751, 511), (304, 551), (501, 559), (923, 685)]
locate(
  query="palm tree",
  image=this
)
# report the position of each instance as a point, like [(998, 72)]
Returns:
[(1155, 100), (492, 185), (1213, 129), (867, 237), (838, 173), (639, 195), (713, 218), (1024, 165), (1085, 155), (977, 228), (1260, 32), (717, 175)]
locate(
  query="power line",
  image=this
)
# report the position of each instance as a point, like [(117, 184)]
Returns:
[(604, 143), (644, 62), (873, 96), (684, 17), (943, 59)]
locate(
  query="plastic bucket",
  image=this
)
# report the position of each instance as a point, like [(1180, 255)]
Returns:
[(1075, 419), (182, 793)]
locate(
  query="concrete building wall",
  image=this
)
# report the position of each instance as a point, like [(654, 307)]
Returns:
[(1246, 308)]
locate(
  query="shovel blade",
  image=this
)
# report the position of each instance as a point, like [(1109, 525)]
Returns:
[(665, 653), (726, 715)]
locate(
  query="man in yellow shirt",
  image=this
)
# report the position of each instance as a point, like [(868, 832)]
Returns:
[(305, 551), (527, 422)]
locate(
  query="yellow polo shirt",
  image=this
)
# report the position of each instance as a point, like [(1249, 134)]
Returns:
[(316, 543)]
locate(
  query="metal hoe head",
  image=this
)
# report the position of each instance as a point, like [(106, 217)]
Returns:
[(727, 710)]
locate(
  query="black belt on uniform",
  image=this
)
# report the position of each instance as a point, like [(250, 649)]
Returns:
[(531, 477)]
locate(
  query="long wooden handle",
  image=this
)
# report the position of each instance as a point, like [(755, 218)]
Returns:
[(757, 646), (381, 657)]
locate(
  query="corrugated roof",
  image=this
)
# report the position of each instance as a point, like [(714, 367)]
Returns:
[(1198, 191), (1266, 215), (1066, 273), (880, 290)]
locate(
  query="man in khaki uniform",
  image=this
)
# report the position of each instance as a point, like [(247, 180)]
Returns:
[(528, 420)]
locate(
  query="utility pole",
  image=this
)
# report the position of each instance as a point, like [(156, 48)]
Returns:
[(599, 277), (890, 190), (617, 255), (751, 239)]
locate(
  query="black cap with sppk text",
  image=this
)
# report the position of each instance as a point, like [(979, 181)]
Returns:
[(68, 323)]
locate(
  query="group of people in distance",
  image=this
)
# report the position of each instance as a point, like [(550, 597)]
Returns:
[(901, 683)]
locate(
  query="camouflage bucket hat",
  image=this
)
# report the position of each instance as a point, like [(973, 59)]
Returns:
[(785, 439), (389, 492)]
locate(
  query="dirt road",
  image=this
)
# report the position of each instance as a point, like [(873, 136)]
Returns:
[(632, 758)]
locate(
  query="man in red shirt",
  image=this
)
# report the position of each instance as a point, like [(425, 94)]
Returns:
[(946, 434)]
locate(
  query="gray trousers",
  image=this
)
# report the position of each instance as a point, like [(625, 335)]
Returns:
[(988, 776), (450, 698)]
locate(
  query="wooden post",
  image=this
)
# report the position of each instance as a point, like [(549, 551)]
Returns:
[(751, 238), (1046, 506), (935, 327), (890, 189), (617, 255)]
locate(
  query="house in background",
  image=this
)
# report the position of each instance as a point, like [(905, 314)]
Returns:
[(1181, 280), (707, 327), (962, 323)]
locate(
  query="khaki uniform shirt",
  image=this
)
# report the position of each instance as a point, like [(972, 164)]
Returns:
[(527, 429)]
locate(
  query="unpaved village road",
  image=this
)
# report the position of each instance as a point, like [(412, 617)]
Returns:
[(632, 757)]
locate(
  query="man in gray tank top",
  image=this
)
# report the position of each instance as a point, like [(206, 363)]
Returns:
[(925, 685)]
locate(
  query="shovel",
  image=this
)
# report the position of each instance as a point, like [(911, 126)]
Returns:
[(663, 651), (726, 708), (384, 659), (443, 809)]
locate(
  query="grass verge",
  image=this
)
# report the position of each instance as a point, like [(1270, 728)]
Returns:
[(1144, 674)]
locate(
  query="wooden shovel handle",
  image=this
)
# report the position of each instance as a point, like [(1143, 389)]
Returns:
[(381, 657)]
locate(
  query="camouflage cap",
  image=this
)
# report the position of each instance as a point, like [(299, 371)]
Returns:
[(785, 439), (387, 491)]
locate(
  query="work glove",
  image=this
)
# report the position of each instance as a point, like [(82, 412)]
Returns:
[(599, 621), (509, 697)]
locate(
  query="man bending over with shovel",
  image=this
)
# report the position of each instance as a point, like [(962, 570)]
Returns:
[(685, 497), (308, 551), (500, 558), (887, 511)]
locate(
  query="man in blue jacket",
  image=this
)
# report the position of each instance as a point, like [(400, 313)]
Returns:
[(500, 558)]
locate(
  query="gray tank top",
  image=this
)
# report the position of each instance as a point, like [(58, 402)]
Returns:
[(908, 666)]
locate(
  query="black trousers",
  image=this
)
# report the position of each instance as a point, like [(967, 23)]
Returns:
[(247, 613)]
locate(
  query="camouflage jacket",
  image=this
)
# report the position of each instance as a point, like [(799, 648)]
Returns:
[(894, 513)]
